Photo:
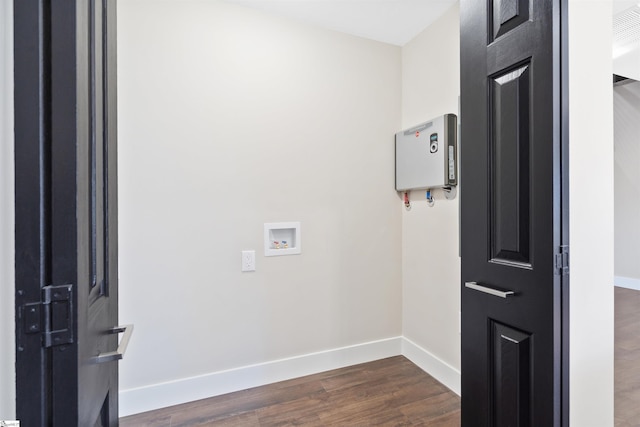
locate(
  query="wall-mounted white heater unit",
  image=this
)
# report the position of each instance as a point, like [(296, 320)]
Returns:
[(427, 155)]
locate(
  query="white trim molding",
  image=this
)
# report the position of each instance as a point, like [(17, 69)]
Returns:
[(626, 282), (156, 396), (432, 365), (7, 217), (185, 390)]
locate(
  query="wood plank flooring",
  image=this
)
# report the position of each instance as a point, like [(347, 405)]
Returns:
[(391, 392), (627, 358)]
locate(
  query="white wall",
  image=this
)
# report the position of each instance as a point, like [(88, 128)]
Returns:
[(430, 235), (628, 64), (591, 213), (626, 103), (7, 349), (626, 60), (215, 104), (229, 118)]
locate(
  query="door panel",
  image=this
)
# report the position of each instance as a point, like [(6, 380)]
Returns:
[(511, 379), (511, 213), (510, 156), (507, 15), (73, 158)]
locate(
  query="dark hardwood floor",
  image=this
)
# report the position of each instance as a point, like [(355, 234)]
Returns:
[(627, 357), (392, 392)]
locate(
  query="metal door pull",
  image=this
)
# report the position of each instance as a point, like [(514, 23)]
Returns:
[(122, 347), (490, 291)]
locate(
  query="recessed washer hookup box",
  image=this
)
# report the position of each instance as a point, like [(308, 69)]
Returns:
[(427, 155)]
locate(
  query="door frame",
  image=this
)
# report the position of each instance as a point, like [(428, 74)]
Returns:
[(54, 44), (7, 240), (31, 95), (564, 207), (26, 156)]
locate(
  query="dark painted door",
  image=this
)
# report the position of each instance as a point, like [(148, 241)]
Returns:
[(66, 213), (512, 213)]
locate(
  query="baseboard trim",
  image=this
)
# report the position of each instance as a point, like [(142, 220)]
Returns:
[(149, 398), (627, 282), (437, 368)]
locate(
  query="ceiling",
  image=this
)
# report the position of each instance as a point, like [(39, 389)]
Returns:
[(626, 39), (389, 21), (398, 21), (620, 5)]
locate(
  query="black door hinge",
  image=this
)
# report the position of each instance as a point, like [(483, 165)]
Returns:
[(562, 261), (53, 317)]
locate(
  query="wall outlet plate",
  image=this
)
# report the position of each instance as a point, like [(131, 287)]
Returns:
[(248, 260)]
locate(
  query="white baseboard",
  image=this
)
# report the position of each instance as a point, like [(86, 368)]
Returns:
[(143, 399), (185, 390), (438, 369), (627, 282)]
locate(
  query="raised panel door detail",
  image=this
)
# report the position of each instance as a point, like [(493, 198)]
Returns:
[(511, 376), (99, 160), (510, 236), (507, 15)]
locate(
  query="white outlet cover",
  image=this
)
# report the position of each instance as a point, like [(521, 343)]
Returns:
[(248, 260)]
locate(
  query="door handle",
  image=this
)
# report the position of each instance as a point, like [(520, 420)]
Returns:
[(122, 347), (487, 290)]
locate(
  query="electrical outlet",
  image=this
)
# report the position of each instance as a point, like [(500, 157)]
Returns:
[(248, 260)]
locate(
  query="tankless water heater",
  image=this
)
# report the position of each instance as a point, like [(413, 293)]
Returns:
[(427, 155)]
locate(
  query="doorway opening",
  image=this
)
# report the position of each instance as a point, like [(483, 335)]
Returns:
[(626, 105)]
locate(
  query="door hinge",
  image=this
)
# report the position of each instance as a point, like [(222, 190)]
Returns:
[(562, 260), (52, 317)]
